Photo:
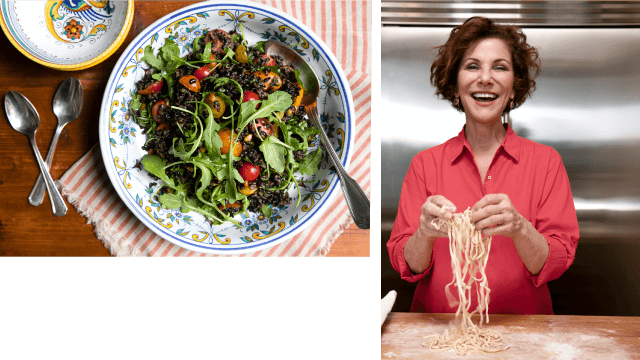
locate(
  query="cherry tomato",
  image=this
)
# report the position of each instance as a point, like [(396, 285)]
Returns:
[(241, 54), (298, 99), (225, 136), (202, 73), (156, 108), (212, 65), (249, 172), (190, 82), (152, 88), (270, 80), (246, 190), (249, 96), (217, 106), (219, 40), (230, 205), (266, 60), (264, 127)]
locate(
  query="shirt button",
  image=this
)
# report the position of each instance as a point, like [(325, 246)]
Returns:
[(489, 177)]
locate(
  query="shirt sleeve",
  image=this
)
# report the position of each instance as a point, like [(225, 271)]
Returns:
[(413, 195), (556, 220)]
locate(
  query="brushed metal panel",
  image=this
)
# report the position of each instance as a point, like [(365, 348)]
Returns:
[(529, 13), (587, 106)]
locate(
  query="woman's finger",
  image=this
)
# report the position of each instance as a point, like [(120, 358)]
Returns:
[(489, 199), (445, 208), (492, 220), (484, 213)]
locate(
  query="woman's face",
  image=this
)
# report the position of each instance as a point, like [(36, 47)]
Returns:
[(485, 80)]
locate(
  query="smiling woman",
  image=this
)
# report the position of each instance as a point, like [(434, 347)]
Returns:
[(507, 45), (517, 190)]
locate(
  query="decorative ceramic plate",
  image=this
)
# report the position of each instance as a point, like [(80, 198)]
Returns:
[(66, 35), (121, 139)]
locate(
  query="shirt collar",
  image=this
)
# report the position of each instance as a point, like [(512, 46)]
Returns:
[(510, 144)]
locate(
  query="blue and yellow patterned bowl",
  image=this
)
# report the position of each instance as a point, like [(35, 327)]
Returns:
[(66, 35), (121, 139)]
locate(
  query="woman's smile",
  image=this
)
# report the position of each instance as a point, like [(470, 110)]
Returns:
[(485, 98)]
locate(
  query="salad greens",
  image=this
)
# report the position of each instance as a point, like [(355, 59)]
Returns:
[(195, 173)]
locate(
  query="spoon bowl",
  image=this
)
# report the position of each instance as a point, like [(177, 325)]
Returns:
[(307, 75), (357, 201), (67, 105), (24, 118)]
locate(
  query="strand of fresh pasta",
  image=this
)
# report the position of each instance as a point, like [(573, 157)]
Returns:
[(469, 254)]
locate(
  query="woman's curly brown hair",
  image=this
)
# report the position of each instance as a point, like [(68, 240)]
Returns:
[(526, 63)]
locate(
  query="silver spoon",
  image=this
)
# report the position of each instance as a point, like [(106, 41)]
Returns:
[(67, 105), (25, 120), (357, 201)]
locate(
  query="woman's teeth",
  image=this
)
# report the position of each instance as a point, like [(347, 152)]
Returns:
[(484, 96)]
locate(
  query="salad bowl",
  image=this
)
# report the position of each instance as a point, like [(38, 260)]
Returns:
[(121, 139), (66, 35)]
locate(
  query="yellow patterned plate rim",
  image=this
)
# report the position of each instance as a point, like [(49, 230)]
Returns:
[(124, 31)]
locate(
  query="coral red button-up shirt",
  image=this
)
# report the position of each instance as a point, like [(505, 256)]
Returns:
[(533, 177)]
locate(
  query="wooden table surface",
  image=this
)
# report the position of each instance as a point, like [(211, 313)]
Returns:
[(26, 230), (529, 336)]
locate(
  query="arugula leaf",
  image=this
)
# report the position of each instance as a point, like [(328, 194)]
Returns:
[(170, 50), (212, 141), (266, 210), (151, 59), (299, 80), (309, 165), (181, 151), (171, 83), (229, 54), (204, 180), (171, 54), (231, 190), (213, 164), (156, 165), (170, 201), (304, 131), (248, 108), (192, 204), (259, 46), (218, 82), (277, 101), (196, 43), (206, 54), (274, 152)]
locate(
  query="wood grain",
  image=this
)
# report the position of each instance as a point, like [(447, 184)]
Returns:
[(529, 336), (26, 230)]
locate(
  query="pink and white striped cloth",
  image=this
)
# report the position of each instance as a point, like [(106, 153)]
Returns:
[(345, 26)]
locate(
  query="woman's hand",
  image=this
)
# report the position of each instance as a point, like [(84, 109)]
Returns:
[(494, 214), (434, 208)]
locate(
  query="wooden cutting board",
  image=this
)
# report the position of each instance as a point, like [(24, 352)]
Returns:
[(535, 337)]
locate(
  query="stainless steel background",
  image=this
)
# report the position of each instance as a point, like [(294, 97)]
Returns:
[(547, 13), (587, 106)]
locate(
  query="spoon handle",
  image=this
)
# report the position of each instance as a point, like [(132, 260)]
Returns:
[(37, 193), (356, 199), (57, 204)]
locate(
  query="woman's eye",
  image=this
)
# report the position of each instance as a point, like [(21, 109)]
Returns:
[(475, 66)]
